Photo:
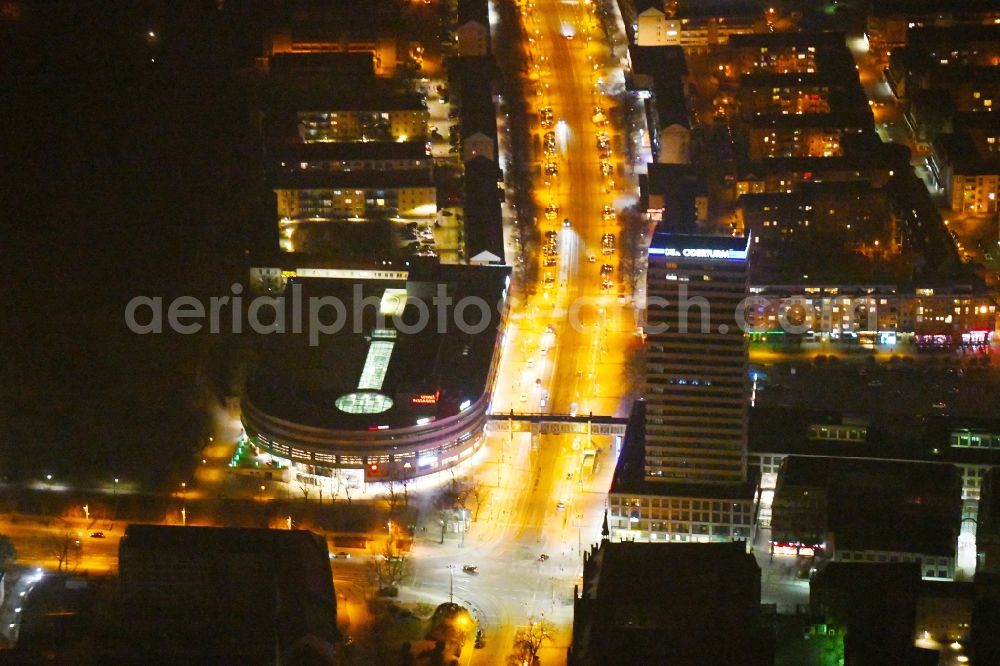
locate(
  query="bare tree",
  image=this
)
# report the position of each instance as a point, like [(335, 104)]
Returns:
[(478, 492), (389, 563), (67, 550), (304, 486), (393, 491), (529, 640), (335, 486), (347, 484)]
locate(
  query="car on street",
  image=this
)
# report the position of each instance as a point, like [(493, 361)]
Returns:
[(606, 269), (606, 168), (551, 211), (470, 569), (608, 244), (543, 557), (592, 259), (342, 555), (560, 505), (551, 169), (607, 213), (97, 535), (566, 222)]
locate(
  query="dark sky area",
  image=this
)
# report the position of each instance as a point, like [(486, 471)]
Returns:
[(122, 176)]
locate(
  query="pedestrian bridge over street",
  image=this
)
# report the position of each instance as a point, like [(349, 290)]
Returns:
[(556, 424)]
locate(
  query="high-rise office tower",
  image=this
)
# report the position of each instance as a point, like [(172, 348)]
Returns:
[(696, 360), (682, 475)]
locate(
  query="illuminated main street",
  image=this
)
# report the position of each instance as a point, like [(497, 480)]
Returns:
[(564, 353)]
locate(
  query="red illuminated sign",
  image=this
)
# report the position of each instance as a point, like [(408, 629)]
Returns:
[(425, 398)]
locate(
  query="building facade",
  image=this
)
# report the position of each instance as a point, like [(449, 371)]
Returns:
[(696, 383), (684, 474)]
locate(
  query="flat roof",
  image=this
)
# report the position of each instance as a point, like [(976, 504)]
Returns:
[(321, 179), (929, 37), (420, 371), (920, 505), (483, 214), (904, 8), (897, 437), (789, 39), (294, 151), (719, 9), (347, 65)]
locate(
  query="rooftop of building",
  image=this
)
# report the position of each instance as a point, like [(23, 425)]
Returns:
[(963, 154), (472, 89), (656, 574), (895, 437), (216, 540), (723, 9), (876, 579), (398, 371), (645, 603), (927, 37), (919, 505), (361, 179), (658, 60), (771, 40), (483, 216), (347, 65), (292, 151), (205, 587), (473, 10), (943, 8)]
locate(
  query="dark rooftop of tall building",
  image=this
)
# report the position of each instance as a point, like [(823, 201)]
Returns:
[(210, 590), (666, 603)]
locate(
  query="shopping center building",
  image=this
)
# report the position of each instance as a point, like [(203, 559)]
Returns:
[(400, 389)]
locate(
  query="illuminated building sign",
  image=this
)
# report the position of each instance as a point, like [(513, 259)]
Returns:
[(342, 273), (425, 399), (693, 247), (794, 548), (699, 253)]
